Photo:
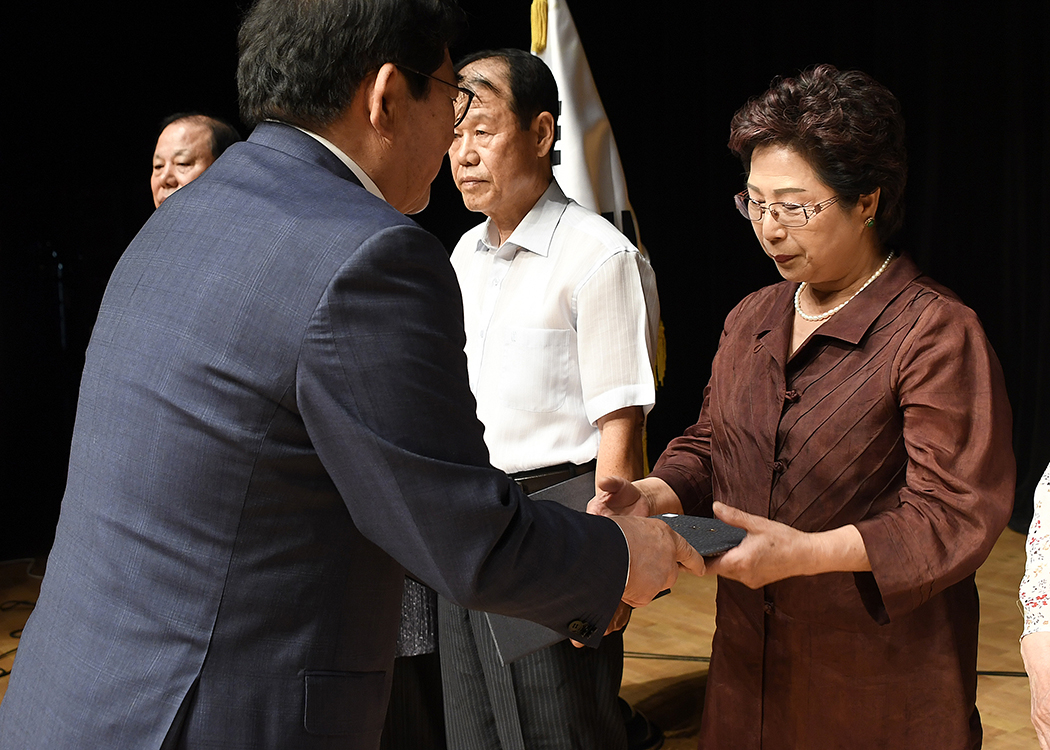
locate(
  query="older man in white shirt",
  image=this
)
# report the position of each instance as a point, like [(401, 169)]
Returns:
[(561, 317)]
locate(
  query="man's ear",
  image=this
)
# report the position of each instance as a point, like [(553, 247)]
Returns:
[(543, 126), (382, 99)]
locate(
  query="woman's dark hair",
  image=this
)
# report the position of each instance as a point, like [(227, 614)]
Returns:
[(532, 85), (302, 60), (848, 127)]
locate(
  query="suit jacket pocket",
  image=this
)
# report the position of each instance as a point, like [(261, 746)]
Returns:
[(339, 703)]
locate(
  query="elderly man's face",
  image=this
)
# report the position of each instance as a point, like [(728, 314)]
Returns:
[(183, 152), (497, 166)]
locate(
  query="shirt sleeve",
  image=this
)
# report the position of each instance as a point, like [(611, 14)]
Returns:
[(616, 348), (959, 483), (1035, 586)]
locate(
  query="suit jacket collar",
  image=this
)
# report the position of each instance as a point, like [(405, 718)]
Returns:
[(296, 143)]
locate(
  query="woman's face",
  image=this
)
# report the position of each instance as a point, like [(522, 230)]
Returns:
[(834, 249)]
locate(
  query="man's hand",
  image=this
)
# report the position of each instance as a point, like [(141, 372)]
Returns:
[(618, 497), (773, 551), (657, 554), (620, 619)]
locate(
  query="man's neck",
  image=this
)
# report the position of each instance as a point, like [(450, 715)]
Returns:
[(363, 177), (350, 142), (505, 222)]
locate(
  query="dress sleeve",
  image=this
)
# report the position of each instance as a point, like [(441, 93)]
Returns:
[(959, 482), (685, 465), (1035, 586)]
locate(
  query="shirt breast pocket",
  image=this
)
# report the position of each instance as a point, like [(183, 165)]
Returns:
[(534, 368)]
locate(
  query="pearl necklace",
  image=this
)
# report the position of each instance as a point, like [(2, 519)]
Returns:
[(832, 311)]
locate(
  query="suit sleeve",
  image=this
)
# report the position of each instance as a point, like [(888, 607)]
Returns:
[(382, 387)]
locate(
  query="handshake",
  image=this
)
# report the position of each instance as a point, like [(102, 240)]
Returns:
[(764, 552), (657, 553)]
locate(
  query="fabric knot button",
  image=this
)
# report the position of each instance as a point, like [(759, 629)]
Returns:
[(780, 466), (768, 607), (581, 628), (792, 396)]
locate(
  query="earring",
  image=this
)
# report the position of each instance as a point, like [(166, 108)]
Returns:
[(869, 222)]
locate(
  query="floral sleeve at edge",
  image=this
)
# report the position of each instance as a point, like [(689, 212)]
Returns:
[(1035, 586)]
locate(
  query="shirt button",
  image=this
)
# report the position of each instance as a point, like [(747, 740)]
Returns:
[(780, 466), (792, 396), (768, 607)]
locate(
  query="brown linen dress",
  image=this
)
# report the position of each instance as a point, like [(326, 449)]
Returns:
[(893, 417)]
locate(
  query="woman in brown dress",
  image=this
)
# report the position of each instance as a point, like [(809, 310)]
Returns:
[(856, 425)]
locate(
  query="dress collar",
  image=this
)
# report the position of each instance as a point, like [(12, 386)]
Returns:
[(854, 320)]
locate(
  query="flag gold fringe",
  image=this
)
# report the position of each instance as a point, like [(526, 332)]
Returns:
[(539, 26), (661, 354), (658, 373)]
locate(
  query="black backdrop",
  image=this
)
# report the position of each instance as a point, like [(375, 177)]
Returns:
[(85, 87)]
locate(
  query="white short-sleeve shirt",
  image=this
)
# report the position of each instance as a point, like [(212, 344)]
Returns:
[(561, 323)]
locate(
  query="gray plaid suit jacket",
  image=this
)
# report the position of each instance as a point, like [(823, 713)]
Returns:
[(274, 423)]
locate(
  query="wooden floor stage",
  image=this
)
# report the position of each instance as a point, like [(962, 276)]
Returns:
[(668, 644)]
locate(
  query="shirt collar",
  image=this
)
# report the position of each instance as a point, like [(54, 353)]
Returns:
[(535, 232), (359, 173)]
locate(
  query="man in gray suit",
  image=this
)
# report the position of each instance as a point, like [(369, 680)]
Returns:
[(274, 423)]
